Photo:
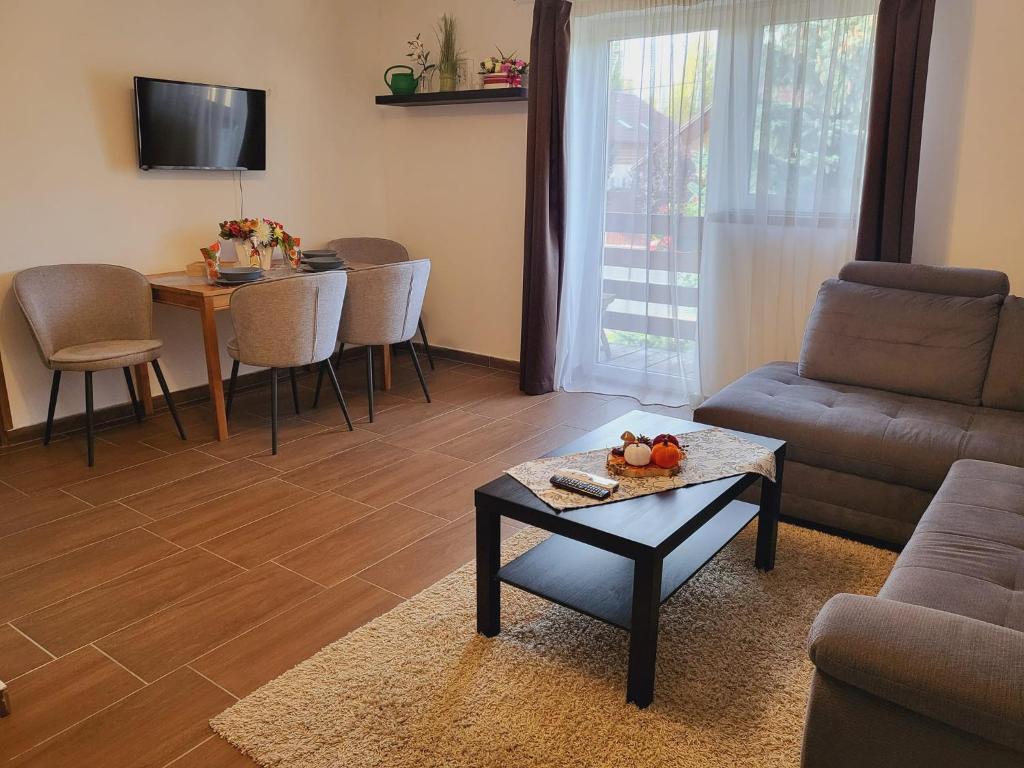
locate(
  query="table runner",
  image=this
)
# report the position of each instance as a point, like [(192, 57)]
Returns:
[(711, 454)]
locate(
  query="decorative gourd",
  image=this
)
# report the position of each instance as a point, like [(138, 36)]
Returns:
[(637, 455), (666, 436), (665, 454)]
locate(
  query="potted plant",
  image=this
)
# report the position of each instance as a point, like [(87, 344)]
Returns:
[(503, 71), (449, 56), (421, 58)]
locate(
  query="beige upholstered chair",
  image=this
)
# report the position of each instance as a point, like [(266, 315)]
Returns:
[(382, 307), (377, 250), (91, 317), (287, 323)]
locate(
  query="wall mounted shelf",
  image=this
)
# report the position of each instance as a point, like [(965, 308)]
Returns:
[(489, 96)]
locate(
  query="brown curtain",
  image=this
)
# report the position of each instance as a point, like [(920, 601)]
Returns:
[(903, 37), (545, 195)]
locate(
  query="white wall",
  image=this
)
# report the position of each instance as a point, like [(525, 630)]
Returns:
[(969, 207), (456, 179), (70, 189)]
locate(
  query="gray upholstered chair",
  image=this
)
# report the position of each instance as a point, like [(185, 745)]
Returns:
[(378, 250), (285, 323), (382, 307), (91, 317)]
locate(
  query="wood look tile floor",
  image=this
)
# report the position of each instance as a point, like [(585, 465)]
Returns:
[(145, 595)]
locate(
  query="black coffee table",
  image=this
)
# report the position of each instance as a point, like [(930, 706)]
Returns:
[(619, 562)]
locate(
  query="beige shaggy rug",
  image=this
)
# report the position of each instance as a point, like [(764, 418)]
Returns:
[(417, 686)]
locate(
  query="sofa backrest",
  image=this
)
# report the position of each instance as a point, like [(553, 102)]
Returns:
[(1004, 384), (914, 329), (948, 281)]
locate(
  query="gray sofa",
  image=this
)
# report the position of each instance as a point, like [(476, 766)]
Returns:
[(904, 369), (931, 672)]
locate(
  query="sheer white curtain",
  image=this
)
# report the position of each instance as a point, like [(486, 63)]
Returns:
[(715, 152)]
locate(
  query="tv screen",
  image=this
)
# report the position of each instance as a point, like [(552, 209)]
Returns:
[(192, 125)]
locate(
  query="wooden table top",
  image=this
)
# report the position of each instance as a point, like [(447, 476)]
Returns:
[(180, 288)]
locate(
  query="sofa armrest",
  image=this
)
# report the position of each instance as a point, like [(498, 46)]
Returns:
[(960, 671)]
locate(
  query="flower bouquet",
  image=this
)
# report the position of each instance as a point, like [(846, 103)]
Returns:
[(255, 239), (503, 71)]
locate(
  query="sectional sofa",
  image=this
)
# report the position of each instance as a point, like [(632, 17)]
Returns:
[(905, 423)]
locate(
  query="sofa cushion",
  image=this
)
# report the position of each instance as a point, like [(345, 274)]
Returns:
[(951, 281), (881, 435), (1004, 384), (923, 344), (967, 554)]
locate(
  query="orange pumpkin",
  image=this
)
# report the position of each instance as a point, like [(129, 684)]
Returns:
[(666, 455)]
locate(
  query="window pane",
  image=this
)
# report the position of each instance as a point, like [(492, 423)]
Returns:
[(810, 110), (659, 117)]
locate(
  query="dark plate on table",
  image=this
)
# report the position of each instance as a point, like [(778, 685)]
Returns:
[(239, 275), (322, 263), (326, 252)]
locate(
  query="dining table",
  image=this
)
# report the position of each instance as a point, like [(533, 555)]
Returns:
[(178, 289)]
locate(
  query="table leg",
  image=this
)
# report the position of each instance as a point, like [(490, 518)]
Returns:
[(488, 560), (213, 374), (142, 385), (643, 632), (768, 515), (385, 354)]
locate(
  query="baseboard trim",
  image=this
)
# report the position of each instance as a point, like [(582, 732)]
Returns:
[(498, 363), (118, 414)]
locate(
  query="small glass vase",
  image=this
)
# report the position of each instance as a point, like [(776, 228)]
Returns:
[(449, 81), (426, 82)]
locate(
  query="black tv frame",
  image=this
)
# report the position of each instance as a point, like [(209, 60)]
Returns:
[(138, 126)]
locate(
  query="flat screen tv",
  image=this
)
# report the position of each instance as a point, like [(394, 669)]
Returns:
[(199, 126)]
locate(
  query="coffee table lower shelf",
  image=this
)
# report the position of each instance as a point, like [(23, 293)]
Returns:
[(600, 583)]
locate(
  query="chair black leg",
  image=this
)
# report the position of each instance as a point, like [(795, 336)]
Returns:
[(273, 411), (320, 383), (136, 406), (337, 360), (231, 388), (54, 389), (426, 345), (88, 415), (295, 390), (167, 398), (419, 371), (369, 378), (337, 391)]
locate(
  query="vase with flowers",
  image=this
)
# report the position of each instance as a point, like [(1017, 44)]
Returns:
[(254, 239), (420, 58), (503, 71)]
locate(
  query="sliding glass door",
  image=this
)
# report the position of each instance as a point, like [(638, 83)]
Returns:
[(696, 130)]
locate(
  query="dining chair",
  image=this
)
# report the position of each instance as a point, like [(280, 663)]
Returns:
[(287, 323), (90, 318), (382, 307), (379, 251)]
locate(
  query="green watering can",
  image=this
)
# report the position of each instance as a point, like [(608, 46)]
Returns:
[(401, 83)]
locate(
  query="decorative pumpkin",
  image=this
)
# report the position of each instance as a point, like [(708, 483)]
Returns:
[(665, 454), (638, 455), (666, 436)]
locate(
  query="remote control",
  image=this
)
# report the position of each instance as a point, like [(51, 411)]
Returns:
[(578, 486)]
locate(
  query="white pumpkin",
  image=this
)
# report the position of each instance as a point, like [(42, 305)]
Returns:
[(638, 454)]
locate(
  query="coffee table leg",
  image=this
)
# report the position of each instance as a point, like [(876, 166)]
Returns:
[(643, 635), (488, 560), (768, 516)]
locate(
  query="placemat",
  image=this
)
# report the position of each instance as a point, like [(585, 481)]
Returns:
[(711, 454)]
